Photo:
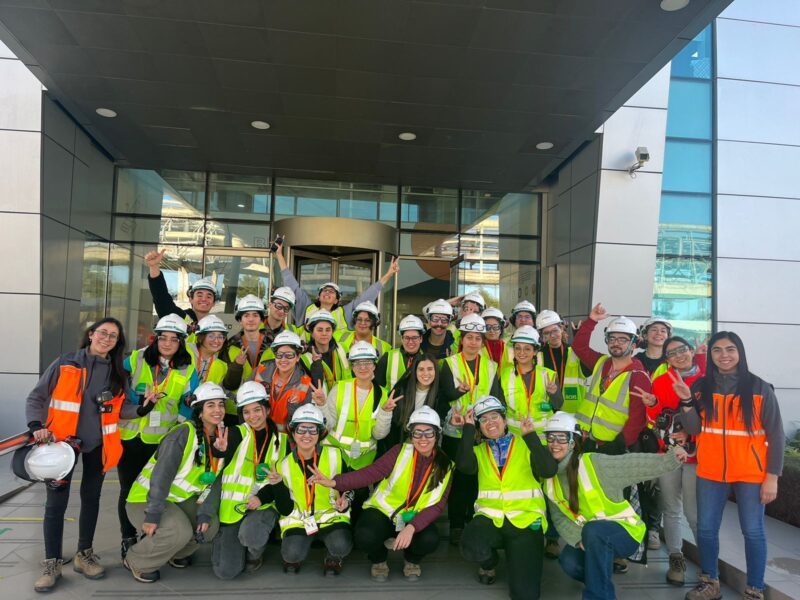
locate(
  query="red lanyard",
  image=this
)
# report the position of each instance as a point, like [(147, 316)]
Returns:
[(355, 404), (310, 491), (252, 360), (257, 454), (563, 366), (412, 497), (160, 387), (508, 459), (208, 370), (209, 451), (272, 394), (530, 388), (473, 378)]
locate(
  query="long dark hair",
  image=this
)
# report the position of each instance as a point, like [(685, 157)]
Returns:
[(180, 359), (745, 381), (119, 377), (407, 386), (441, 462), (572, 472)]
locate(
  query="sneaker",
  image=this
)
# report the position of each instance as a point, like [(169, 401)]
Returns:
[(180, 563), (455, 536), (126, 545), (751, 593), (487, 576), (653, 540), (332, 566), (706, 589), (620, 565), (50, 574), (676, 575), (144, 577), (253, 565), (379, 572), (412, 571), (551, 549), (291, 567), (86, 562)]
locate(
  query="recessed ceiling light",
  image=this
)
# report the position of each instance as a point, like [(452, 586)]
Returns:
[(544, 145), (240, 205), (407, 136), (673, 5), (259, 125), (106, 112)]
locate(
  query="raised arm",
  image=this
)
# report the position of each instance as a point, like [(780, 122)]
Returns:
[(302, 301), (162, 299)]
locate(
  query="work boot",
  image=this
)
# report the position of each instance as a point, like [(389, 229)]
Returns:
[(412, 571), (291, 567), (751, 593), (653, 541), (455, 536), (253, 564), (143, 576), (620, 565), (180, 563), (379, 571), (51, 574), (552, 549), (332, 566), (706, 589), (85, 562), (487, 576), (676, 575)]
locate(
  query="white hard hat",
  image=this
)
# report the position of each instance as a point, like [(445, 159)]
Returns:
[(172, 323), (284, 293), (362, 351), (487, 404), (331, 285), (622, 325), (438, 307), (562, 421), (317, 316), (547, 318), (250, 303), (494, 313), (424, 415), (48, 462), (366, 306), (203, 284), (472, 322), (250, 392), (287, 338), (308, 413), (211, 323), (207, 391), (653, 321), (523, 306), (411, 323), (476, 298), (526, 335)]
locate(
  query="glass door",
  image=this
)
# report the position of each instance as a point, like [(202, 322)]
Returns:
[(311, 270), (355, 274)]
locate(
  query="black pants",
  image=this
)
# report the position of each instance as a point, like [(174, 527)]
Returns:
[(57, 500), (135, 454), (463, 490), (374, 527), (524, 551)]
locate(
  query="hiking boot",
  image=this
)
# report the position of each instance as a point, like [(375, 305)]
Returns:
[(289, 567), (126, 545), (653, 541), (332, 566), (551, 549), (455, 536), (752, 594), (487, 576), (180, 563), (676, 575), (706, 589), (620, 565), (379, 572), (51, 574), (86, 562), (253, 564), (412, 571), (144, 577)]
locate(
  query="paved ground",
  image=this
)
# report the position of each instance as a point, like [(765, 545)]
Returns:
[(445, 574)]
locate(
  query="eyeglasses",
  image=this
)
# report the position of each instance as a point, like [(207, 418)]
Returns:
[(617, 339), (523, 318), (427, 434), (437, 320), (215, 337), (364, 321), (281, 307), (360, 364), (106, 335), (494, 328), (411, 338), (489, 418), (307, 430), (473, 327), (552, 332), (677, 351), (285, 355), (168, 339), (558, 438)]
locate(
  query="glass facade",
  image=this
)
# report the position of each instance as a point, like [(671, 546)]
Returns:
[(683, 277)]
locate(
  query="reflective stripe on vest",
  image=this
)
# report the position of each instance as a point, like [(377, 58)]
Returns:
[(324, 508), (391, 494), (338, 316), (518, 405), (345, 435), (186, 482), (515, 495), (604, 413), (395, 367), (486, 373), (347, 338), (593, 504)]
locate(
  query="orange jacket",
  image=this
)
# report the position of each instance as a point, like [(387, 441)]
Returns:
[(726, 451), (65, 408)]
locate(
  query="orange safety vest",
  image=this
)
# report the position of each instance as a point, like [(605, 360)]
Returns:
[(726, 451), (65, 408), (279, 407)]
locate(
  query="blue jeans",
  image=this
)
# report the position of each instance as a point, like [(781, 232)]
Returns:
[(603, 541), (711, 499)]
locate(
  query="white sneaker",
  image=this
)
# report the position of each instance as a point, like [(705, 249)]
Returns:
[(653, 541)]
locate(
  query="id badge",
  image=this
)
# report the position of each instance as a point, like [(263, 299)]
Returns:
[(310, 525), (154, 419), (203, 495), (399, 523), (355, 449), (570, 393), (545, 407)]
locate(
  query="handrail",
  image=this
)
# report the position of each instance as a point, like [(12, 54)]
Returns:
[(16, 441)]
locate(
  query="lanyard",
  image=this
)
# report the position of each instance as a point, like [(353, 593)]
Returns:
[(210, 454), (310, 490), (207, 371), (409, 360), (472, 378), (279, 395), (493, 462), (530, 388), (560, 369), (355, 404), (160, 387), (413, 496), (257, 454), (246, 344)]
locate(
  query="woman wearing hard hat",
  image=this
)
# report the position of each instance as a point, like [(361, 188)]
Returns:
[(464, 377), (162, 373), (392, 364), (588, 506), (418, 387), (470, 304), (167, 494), (439, 340), (286, 378), (653, 333), (413, 482), (309, 510), (325, 360), (365, 321), (329, 294), (523, 313), (81, 395), (510, 510), (494, 346), (208, 363), (242, 495)]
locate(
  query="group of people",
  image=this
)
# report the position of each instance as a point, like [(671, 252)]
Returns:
[(319, 430)]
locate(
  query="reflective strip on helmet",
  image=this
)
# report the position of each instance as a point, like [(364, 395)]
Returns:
[(65, 405)]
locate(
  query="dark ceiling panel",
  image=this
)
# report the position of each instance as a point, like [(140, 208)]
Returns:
[(480, 82)]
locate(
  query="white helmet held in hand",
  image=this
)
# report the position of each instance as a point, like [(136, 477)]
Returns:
[(308, 413), (250, 303), (362, 351), (172, 323), (207, 391), (424, 415), (250, 392), (472, 322), (487, 404), (211, 323), (438, 307), (284, 293), (546, 318), (50, 462), (411, 323), (287, 338), (526, 335)]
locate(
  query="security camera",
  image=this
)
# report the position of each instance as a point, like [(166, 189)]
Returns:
[(642, 156)]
